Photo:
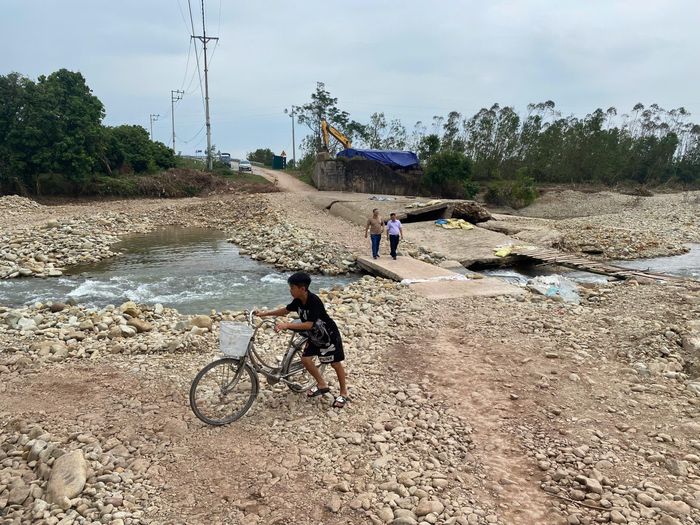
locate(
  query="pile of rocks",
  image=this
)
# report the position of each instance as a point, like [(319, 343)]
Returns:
[(43, 480), (14, 205), (44, 251), (57, 331)]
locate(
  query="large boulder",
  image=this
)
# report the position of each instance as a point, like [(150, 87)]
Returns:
[(470, 211), (201, 321), (140, 325), (68, 477)]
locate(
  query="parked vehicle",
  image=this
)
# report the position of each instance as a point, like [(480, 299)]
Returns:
[(245, 165), (225, 158)]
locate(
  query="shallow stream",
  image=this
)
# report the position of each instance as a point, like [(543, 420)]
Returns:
[(191, 269)]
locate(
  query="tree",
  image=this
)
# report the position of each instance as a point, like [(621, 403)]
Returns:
[(428, 146), (69, 118), (262, 155), (325, 107), (379, 134), (448, 174)]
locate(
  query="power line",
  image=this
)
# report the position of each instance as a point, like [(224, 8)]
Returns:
[(187, 66), (194, 136), (196, 53)]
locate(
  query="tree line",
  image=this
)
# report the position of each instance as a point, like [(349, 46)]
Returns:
[(647, 145), (52, 139)]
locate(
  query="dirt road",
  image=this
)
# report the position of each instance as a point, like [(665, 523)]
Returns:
[(284, 181)]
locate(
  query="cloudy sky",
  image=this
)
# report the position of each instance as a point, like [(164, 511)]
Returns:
[(411, 59)]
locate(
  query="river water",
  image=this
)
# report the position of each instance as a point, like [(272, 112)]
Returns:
[(191, 269), (686, 265)]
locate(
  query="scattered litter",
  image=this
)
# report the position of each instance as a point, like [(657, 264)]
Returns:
[(381, 198), (555, 286), (455, 277), (454, 224), (507, 249), (424, 204), (503, 251)]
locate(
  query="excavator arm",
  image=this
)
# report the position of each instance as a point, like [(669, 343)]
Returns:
[(327, 129)]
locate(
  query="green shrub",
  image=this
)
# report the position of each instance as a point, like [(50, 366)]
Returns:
[(448, 174), (516, 193), (54, 184)]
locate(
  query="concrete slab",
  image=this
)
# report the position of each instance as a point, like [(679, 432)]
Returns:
[(466, 246), (402, 268), (486, 287), (439, 283)]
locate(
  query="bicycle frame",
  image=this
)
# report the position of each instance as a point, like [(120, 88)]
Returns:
[(272, 374)]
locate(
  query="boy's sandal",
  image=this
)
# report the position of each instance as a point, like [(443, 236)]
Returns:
[(314, 391), (339, 402)]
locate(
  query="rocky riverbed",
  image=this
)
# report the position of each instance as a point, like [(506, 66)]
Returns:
[(473, 411)]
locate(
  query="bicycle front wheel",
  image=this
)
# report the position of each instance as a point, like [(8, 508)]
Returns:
[(298, 378), (223, 391)]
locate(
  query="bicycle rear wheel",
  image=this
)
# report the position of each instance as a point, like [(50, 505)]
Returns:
[(294, 372), (223, 391)]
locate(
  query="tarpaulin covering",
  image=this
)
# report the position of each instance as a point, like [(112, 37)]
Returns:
[(393, 159)]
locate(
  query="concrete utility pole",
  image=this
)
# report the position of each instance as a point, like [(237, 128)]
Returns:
[(294, 148), (175, 95), (153, 118), (204, 39)]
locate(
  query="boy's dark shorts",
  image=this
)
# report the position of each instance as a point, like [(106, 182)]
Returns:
[(331, 354)]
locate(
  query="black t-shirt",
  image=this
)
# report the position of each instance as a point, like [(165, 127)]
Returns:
[(312, 311)]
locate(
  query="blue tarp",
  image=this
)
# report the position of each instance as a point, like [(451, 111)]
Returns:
[(393, 159)]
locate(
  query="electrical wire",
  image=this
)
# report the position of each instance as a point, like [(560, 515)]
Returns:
[(196, 53), (194, 136), (187, 66)]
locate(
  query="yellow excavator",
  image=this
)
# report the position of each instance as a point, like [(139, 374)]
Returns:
[(327, 129)]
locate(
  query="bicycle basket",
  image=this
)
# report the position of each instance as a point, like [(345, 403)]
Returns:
[(234, 338)]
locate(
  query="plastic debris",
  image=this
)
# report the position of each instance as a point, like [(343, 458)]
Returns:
[(424, 204), (555, 286), (454, 224)]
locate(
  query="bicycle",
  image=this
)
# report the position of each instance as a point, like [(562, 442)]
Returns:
[(230, 381)]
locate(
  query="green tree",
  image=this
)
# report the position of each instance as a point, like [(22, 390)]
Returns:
[(325, 107), (69, 118), (263, 155), (448, 174), (428, 146)]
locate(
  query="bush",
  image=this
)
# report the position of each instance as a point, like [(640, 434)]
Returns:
[(448, 174), (516, 193)]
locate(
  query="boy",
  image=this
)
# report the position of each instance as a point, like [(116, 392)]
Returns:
[(374, 227), (324, 336), (395, 231)]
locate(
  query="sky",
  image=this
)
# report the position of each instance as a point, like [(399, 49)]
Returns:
[(411, 59)]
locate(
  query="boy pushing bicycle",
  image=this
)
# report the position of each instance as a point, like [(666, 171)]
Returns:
[(324, 337)]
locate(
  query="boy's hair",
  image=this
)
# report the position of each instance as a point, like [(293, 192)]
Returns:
[(392, 215), (300, 279), (375, 210)]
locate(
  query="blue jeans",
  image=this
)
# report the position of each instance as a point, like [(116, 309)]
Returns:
[(376, 238)]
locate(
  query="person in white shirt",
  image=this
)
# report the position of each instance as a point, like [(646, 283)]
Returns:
[(395, 232)]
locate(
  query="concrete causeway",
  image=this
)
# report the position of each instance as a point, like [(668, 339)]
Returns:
[(434, 282)]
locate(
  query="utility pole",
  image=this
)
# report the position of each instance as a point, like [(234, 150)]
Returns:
[(204, 39), (153, 118), (294, 148), (175, 95)]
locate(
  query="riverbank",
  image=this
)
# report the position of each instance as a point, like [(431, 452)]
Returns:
[(483, 410)]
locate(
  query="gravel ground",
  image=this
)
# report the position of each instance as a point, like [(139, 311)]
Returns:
[(484, 410)]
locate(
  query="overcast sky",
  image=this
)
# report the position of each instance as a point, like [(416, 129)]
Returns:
[(411, 59)]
